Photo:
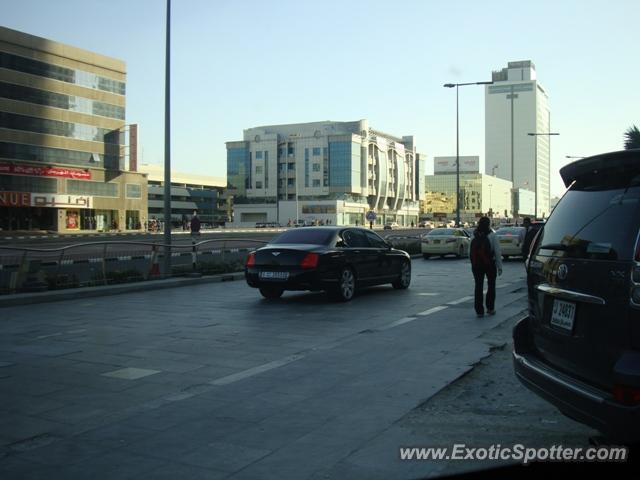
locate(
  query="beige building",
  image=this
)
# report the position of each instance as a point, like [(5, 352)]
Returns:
[(63, 140)]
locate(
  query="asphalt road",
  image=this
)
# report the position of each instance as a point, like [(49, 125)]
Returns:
[(212, 381)]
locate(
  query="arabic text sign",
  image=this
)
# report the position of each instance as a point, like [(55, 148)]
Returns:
[(44, 171), (52, 200)]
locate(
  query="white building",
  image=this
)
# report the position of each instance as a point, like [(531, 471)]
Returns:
[(323, 171), (516, 105)]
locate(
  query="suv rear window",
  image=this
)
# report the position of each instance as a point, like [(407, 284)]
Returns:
[(594, 220)]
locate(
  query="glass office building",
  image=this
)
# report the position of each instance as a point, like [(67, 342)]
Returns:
[(322, 172), (67, 158)]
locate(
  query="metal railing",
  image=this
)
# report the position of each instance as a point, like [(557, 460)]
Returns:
[(110, 262)]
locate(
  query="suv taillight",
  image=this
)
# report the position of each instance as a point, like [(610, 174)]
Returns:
[(251, 260), (626, 395), (310, 260)]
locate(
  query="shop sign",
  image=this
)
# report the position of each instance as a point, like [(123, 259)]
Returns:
[(10, 168), (52, 200), (15, 199)]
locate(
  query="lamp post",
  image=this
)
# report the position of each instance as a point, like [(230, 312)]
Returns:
[(535, 174), (167, 147), (451, 85)]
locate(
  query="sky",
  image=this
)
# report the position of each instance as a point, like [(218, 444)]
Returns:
[(237, 64)]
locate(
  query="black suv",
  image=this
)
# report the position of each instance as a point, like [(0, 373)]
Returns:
[(579, 347)]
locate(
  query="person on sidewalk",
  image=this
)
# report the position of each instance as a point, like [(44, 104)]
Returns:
[(195, 224), (486, 260)]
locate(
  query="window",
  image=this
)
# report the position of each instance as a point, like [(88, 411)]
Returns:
[(316, 183), (291, 182), (259, 185), (96, 189), (316, 151), (259, 155), (305, 236), (55, 155), (259, 170), (316, 167), (64, 74), (355, 239), (374, 240), (19, 183), (132, 220), (134, 190), (290, 150)]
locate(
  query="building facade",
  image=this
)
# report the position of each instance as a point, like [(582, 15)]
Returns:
[(63, 142), (326, 172), (516, 104), (480, 194), (189, 192)]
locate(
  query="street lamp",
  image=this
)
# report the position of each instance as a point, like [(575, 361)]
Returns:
[(451, 85), (535, 176)]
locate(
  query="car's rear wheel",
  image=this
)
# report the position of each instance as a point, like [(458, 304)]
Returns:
[(271, 293), (404, 280), (346, 288), (505, 257)]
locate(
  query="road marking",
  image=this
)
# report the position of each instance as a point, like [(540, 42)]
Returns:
[(402, 321), (49, 336), (236, 377), (433, 310), (429, 294), (504, 285), (459, 301)]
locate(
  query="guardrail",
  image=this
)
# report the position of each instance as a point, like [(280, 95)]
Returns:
[(110, 262)]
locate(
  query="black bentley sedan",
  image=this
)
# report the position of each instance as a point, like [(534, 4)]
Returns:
[(334, 259)]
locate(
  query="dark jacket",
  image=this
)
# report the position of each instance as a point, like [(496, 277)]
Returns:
[(528, 240), (195, 225)]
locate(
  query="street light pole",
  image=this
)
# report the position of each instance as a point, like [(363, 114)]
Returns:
[(451, 85), (535, 172), (167, 147)]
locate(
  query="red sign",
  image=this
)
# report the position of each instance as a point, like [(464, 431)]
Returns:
[(15, 199), (44, 171)]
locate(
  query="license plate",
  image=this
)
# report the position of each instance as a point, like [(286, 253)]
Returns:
[(563, 314), (274, 275)]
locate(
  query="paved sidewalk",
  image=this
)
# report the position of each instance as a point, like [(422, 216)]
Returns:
[(212, 382)]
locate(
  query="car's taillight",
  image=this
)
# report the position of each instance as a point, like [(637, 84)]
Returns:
[(251, 260), (310, 260), (626, 395)]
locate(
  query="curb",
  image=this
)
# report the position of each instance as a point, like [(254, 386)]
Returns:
[(88, 292)]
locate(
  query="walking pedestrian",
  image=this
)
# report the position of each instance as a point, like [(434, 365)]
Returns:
[(486, 260), (195, 224), (529, 234)]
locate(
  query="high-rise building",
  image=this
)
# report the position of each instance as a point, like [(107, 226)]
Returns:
[(516, 105), (331, 172), (62, 140)]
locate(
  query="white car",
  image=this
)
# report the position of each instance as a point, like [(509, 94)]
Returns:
[(511, 239), (445, 241)]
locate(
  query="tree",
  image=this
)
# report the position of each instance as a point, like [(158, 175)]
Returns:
[(632, 138)]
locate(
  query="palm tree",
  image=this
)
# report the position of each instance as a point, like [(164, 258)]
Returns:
[(632, 138)]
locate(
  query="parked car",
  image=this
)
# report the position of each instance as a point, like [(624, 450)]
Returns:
[(511, 239), (338, 260), (391, 225), (425, 224), (445, 241), (579, 346)]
